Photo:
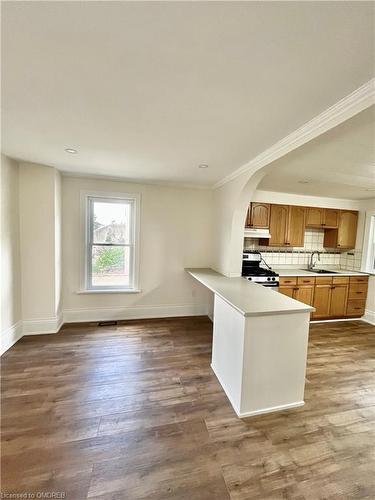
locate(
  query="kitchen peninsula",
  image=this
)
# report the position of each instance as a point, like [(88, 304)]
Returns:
[(259, 344)]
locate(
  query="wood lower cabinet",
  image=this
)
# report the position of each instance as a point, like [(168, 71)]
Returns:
[(332, 297), (357, 296), (322, 300), (305, 294), (258, 215), (287, 290), (339, 298), (297, 289)]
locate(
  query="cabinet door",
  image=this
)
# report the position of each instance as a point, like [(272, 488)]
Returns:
[(331, 218), (278, 225), (305, 294), (287, 290), (314, 217), (347, 230), (339, 298), (260, 215), (322, 299), (296, 226), (248, 217)]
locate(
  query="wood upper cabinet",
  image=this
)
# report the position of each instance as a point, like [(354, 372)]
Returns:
[(287, 226), (278, 226), (322, 217), (331, 218), (296, 226), (345, 235), (314, 217), (258, 215), (347, 230)]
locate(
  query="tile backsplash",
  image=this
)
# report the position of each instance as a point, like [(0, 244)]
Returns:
[(280, 256)]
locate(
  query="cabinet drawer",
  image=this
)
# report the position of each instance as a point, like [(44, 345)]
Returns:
[(323, 280), (359, 279), (340, 280), (357, 291), (305, 280), (355, 308), (292, 280)]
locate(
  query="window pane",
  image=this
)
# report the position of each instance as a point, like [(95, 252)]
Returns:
[(111, 222), (110, 266)]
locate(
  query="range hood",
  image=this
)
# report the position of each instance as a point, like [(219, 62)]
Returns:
[(257, 233)]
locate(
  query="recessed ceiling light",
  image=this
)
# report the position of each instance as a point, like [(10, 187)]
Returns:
[(71, 151), (203, 165), (303, 182)]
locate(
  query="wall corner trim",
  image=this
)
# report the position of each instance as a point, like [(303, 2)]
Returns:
[(10, 336), (369, 317), (42, 326)]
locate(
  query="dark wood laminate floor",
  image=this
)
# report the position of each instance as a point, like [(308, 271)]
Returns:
[(135, 412)]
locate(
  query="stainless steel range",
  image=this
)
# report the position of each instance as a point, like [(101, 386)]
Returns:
[(252, 270)]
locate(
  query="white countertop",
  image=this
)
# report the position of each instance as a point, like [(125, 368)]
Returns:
[(250, 299), (304, 272)]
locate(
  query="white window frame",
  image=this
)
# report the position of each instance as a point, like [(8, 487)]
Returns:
[(87, 201), (368, 255)]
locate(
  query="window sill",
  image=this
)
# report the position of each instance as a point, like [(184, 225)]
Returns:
[(115, 290)]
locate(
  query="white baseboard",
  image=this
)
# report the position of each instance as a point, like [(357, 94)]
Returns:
[(369, 317), (10, 336), (272, 409), (42, 326), (336, 320), (135, 312), (261, 411)]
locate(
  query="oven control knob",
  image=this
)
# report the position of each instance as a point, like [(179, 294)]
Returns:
[(273, 279), (249, 278), (268, 279)]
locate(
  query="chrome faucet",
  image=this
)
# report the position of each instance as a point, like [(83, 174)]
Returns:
[(312, 264)]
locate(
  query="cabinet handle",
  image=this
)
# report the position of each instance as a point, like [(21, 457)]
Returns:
[(295, 288), (333, 287), (359, 293)]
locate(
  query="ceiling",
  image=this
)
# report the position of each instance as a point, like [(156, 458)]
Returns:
[(150, 90), (338, 164)]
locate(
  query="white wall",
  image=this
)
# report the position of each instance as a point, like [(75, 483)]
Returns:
[(11, 307), (176, 232), (40, 220)]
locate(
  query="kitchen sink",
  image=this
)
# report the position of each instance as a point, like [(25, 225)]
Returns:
[(320, 271)]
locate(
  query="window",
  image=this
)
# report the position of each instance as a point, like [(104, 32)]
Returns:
[(368, 262), (111, 246)]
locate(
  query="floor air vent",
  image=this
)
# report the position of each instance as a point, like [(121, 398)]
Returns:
[(107, 323)]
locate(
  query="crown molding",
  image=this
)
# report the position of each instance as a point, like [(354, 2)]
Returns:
[(346, 108)]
